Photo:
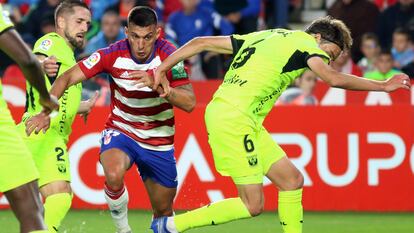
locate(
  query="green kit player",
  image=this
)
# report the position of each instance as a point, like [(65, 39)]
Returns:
[(18, 173), (264, 64), (56, 51)]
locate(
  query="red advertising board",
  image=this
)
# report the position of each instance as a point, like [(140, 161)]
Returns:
[(353, 157)]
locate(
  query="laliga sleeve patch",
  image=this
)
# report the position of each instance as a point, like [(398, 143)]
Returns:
[(92, 60), (45, 45)]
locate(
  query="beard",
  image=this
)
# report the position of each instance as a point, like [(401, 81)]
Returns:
[(77, 44)]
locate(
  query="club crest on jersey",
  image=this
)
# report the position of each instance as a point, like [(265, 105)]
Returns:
[(45, 45), (107, 136), (92, 60)]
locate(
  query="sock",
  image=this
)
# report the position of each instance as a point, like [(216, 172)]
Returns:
[(56, 207), (118, 205), (291, 211), (216, 213)]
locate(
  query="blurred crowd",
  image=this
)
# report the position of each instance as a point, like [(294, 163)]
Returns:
[(383, 31)]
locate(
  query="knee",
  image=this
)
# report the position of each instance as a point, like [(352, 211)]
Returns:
[(295, 182), (255, 209), (115, 178)]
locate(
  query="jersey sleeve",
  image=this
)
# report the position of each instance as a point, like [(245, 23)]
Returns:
[(45, 46), (237, 41), (5, 22), (178, 75), (94, 64), (313, 51)]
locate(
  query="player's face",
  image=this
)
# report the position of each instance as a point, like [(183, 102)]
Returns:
[(76, 26), (142, 40)]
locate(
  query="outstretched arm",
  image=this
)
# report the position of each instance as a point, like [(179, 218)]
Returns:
[(352, 82), (218, 44), (12, 44)]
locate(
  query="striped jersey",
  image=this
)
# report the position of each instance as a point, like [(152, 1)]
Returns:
[(138, 112)]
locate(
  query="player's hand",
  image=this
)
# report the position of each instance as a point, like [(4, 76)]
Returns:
[(142, 78), (37, 123), (86, 106), (160, 79), (396, 82), (49, 104), (50, 66)]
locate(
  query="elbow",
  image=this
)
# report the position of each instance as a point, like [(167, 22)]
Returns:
[(335, 81), (190, 106), (28, 60)]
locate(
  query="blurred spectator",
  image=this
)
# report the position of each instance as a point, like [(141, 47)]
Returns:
[(302, 92), (370, 49), (277, 13), (92, 85), (345, 64), (99, 7), (243, 14), (192, 21), (383, 65), (124, 6), (47, 24), (360, 16), (31, 24), (111, 31), (402, 50), (394, 17), (165, 8), (409, 70)]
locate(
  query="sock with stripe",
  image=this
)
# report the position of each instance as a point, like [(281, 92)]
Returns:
[(56, 207), (291, 211), (118, 205), (215, 213)]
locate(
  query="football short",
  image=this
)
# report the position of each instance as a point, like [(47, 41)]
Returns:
[(241, 148), (160, 166), (50, 155), (16, 163)]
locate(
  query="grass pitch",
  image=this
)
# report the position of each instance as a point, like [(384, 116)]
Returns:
[(92, 221)]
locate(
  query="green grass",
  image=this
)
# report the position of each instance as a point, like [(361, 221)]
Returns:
[(315, 222)]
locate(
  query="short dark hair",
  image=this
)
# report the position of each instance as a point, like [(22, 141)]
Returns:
[(403, 31), (385, 52), (142, 16), (67, 6), (332, 30)]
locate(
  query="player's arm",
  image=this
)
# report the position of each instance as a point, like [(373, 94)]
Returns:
[(218, 44), (182, 97), (29, 65), (352, 82)]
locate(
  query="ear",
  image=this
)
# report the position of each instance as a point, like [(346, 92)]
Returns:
[(126, 31), (61, 22), (158, 32), (317, 37)]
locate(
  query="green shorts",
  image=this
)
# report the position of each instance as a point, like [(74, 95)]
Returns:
[(49, 154), (16, 163), (241, 148)]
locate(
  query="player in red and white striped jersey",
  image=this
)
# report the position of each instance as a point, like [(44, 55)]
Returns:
[(140, 128)]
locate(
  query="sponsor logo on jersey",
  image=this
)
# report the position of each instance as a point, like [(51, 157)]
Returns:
[(45, 45), (92, 60)]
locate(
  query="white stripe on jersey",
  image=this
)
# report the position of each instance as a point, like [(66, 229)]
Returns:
[(129, 64), (162, 116), (130, 85), (139, 103), (162, 131), (129, 129)]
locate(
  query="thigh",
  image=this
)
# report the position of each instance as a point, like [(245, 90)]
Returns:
[(159, 166), (269, 151), (16, 166), (51, 157), (234, 143)]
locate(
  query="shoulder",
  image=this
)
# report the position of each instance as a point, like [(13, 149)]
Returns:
[(117, 48), (47, 42), (164, 47)]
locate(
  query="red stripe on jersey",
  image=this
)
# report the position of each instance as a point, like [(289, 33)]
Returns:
[(134, 94), (154, 141), (149, 111), (143, 125)]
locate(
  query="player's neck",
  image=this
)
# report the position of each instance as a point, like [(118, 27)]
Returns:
[(62, 34)]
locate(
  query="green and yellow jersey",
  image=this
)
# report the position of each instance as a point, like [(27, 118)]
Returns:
[(376, 75), (53, 44), (265, 64)]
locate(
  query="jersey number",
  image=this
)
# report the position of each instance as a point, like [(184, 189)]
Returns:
[(60, 154), (248, 144)]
